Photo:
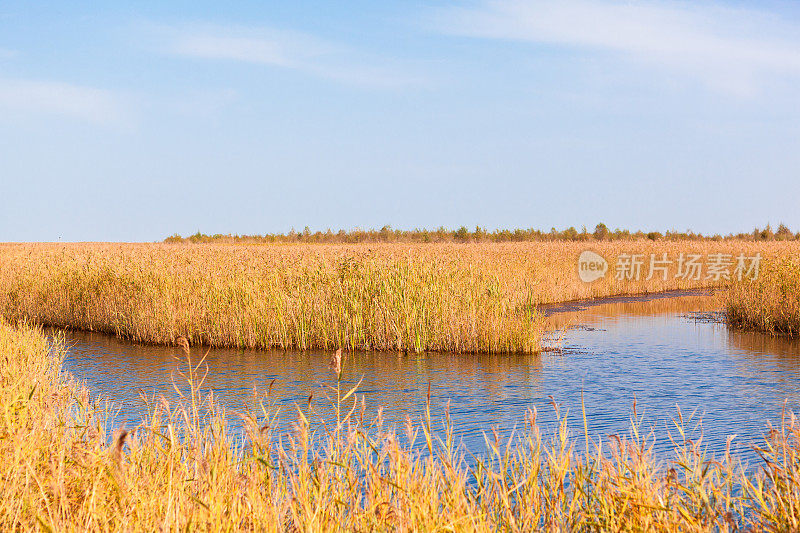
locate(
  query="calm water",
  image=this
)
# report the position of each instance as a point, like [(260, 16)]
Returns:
[(665, 353)]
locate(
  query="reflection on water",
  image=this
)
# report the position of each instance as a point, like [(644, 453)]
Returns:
[(671, 302), (397, 382), (653, 352)]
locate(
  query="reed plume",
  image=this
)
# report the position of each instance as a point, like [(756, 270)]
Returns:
[(336, 362)]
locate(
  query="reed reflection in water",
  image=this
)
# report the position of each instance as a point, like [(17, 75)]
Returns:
[(656, 352)]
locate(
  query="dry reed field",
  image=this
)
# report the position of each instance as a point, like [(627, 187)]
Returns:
[(179, 470), (412, 297), (771, 303)]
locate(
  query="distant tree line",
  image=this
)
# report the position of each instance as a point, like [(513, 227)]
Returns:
[(463, 234)]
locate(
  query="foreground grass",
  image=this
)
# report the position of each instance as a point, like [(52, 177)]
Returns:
[(412, 297), (179, 471), (771, 303)]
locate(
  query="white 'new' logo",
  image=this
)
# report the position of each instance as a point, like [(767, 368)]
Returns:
[(591, 266)]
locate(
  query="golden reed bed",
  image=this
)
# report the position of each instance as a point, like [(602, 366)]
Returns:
[(180, 470), (771, 303), (414, 297)]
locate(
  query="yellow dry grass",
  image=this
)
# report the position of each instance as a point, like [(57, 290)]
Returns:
[(771, 302), (414, 297), (179, 470)]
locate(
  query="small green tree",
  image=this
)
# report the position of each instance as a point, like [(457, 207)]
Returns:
[(601, 232), (783, 233)]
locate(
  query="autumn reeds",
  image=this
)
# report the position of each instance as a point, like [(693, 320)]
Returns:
[(183, 469), (771, 302), (408, 297)]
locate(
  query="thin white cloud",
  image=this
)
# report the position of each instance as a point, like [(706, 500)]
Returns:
[(48, 97), (729, 48), (282, 49), (258, 46), (204, 102), (5, 53)]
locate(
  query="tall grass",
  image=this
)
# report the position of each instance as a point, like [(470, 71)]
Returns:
[(181, 470), (770, 303), (437, 297)]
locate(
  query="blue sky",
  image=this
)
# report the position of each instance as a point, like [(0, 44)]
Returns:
[(132, 122)]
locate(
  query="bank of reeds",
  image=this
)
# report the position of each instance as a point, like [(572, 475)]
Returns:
[(436, 297), (181, 470), (771, 302)]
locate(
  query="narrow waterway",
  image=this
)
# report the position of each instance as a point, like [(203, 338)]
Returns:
[(664, 352)]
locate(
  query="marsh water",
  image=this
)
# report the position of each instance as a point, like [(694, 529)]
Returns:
[(665, 352)]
